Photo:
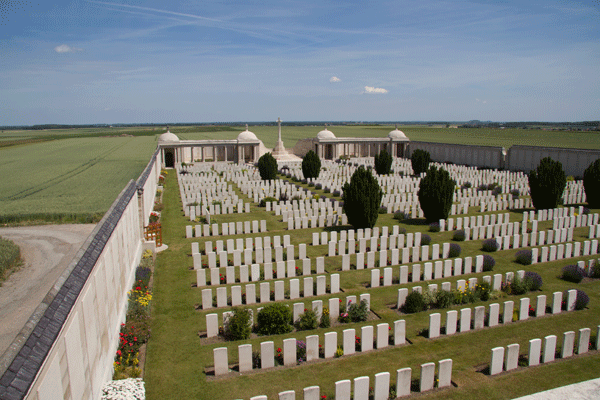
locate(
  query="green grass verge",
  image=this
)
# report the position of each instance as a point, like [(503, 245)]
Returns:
[(10, 258), (177, 357)]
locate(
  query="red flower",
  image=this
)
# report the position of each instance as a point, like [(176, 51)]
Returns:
[(118, 352), (279, 350)]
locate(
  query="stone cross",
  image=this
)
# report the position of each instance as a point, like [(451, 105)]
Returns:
[(279, 126)]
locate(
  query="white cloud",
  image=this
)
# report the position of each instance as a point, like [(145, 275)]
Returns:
[(63, 48), (371, 89), (481, 101), (334, 79)]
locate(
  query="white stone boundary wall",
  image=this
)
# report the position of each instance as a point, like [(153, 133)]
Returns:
[(148, 182), (541, 352), (381, 384), (81, 359), (574, 161), (482, 156)]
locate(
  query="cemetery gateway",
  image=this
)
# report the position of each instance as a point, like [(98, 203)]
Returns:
[(301, 251)]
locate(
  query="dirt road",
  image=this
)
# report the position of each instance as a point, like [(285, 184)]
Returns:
[(46, 250)]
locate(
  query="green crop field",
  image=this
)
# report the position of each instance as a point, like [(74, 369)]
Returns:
[(80, 176)]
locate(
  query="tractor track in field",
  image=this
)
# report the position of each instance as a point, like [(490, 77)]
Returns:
[(60, 178)]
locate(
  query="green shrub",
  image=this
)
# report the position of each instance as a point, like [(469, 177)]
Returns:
[(482, 291), (263, 202), (490, 245), (573, 273), (434, 227), (267, 167), (358, 312), (355, 312), (454, 250), (459, 236), (362, 198), (383, 163), (307, 321), (238, 326), (443, 298), (547, 183), (517, 286), (400, 216), (425, 239), (414, 303), (420, 160), (436, 191), (524, 257), (533, 280), (274, 319), (311, 165), (488, 263), (595, 271), (582, 300), (591, 184)]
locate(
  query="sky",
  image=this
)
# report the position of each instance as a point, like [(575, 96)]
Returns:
[(151, 61)]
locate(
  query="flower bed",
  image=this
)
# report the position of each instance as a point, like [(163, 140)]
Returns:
[(135, 332)]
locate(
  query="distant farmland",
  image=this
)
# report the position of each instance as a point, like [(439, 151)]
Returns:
[(81, 171), (80, 176)]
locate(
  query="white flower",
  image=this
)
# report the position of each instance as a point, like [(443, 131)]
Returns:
[(125, 389)]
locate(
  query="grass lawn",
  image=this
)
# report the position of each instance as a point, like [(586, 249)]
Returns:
[(177, 356)]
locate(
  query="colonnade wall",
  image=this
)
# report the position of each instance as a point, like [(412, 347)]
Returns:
[(67, 348)]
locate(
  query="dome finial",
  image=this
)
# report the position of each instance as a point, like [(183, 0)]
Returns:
[(246, 126)]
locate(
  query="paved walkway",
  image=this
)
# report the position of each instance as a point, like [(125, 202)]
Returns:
[(46, 250), (587, 390)]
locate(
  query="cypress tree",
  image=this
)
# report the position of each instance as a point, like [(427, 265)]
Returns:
[(311, 165), (362, 198), (436, 191), (383, 163), (591, 184), (547, 183), (420, 160), (267, 167)]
